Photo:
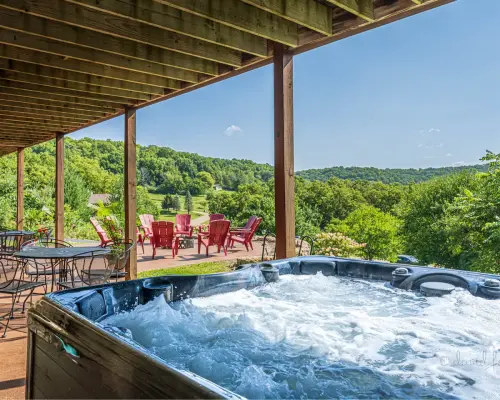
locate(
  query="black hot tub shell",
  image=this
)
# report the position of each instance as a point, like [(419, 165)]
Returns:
[(71, 355)]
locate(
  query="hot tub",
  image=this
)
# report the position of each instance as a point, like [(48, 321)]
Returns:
[(304, 327)]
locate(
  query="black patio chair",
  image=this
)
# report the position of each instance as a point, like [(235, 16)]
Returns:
[(10, 242), (36, 269), (13, 284), (87, 269)]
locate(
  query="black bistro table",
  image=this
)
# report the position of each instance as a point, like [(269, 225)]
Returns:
[(58, 257), (11, 241)]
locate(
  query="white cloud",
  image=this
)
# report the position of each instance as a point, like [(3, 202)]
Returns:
[(232, 130), (448, 154), (434, 130), (458, 163), (421, 145), (440, 145)]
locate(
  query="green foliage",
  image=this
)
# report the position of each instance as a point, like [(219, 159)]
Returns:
[(452, 219), (424, 218), (388, 175), (337, 244), (167, 202), (177, 203), (188, 202), (377, 230)]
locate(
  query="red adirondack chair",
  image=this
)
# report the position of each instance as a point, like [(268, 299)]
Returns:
[(212, 218), (105, 240), (140, 239), (146, 221), (244, 236), (164, 236), (183, 225), (216, 236)]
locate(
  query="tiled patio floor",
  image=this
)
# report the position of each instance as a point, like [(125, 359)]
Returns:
[(13, 347)]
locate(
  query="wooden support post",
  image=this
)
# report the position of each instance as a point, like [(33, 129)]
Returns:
[(283, 152), (20, 189), (130, 179), (59, 186)]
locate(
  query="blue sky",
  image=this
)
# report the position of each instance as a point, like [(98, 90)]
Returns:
[(424, 91)]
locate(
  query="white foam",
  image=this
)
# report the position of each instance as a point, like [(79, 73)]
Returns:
[(317, 336)]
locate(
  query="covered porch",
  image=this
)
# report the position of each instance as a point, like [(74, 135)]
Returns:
[(69, 64), (66, 65)]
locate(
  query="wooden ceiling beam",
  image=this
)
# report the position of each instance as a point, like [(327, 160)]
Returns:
[(16, 20), (68, 64), (72, 86), (66, 50), (7, 132), (77, 77), (51, 124), (308, 13), (57, 91), (6, 117), (13, 100), (42, 114), (238, 15), (164, 17), (360, 8), (8, 135), (91, 19), (15, 89)]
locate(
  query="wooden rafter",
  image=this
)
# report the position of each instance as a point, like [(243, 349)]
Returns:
[(239, 15), (308, 13), (58, 92), (12, 89), (24, 121), (361, 8), (101, 42), (47, 110), (78, 88), (59, 10), (68, 64), (41, 115), (175, 20), (38, 43), (70, 76), (19, 101)]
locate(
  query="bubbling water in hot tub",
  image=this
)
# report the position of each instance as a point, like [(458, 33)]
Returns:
[(328, 337)]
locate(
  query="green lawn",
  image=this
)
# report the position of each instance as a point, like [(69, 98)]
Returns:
[(194, 269), (199, 206)]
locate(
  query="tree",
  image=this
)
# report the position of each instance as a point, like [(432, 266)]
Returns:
[(188, 202), (377, 230), (167, 202), (177, 203), (207, 180)]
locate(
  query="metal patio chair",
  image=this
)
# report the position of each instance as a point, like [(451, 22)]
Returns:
[(14, 284), (36, 269), (87, 269)]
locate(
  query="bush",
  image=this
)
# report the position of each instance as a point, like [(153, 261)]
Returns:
[(337, 244)]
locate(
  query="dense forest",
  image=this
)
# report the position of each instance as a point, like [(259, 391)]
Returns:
[(387, 175), (452, 219)]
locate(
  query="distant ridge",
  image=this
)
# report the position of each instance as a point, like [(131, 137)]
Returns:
[(387, 175)]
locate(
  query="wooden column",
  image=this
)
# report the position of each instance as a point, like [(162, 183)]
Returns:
[(59, 222), (283, 152), (20, 189), (130, 179)]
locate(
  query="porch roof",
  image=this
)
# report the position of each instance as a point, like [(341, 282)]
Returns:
[(68, 64)]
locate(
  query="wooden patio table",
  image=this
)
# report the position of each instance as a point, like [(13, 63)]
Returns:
[(58, 257)]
